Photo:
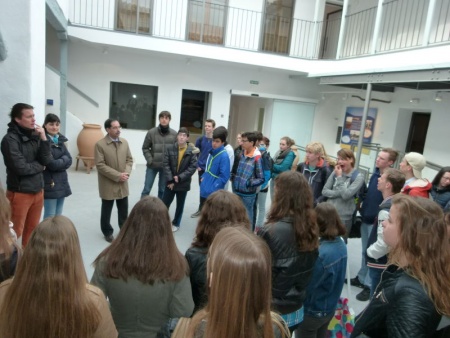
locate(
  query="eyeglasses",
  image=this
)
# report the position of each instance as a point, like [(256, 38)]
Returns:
[(243, 141), (115, 128)]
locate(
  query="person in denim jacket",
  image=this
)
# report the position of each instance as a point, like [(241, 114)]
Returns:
[(327, 281)]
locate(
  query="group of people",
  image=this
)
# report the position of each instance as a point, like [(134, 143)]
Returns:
[(247, 273)]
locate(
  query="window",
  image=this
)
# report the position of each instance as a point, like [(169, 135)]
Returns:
[(207, 21), (194, 106), (277, 25), (134, 16), (133, 105)]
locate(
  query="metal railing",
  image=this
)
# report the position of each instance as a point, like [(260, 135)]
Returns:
[(402, 26), (359, 32)]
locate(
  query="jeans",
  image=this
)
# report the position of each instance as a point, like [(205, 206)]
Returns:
[(53, 207), (249, 204), (150, 175), (181, 198), (261, 213), (313, 327), (26, 210), (200, 174), (375, 278), (363, 274), (105, 217), (348, 226)]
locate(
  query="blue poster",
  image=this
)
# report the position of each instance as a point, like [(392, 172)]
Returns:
[(352, 126)]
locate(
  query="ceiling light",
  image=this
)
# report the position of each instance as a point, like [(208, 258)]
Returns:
[(437, 97), (414, 101)]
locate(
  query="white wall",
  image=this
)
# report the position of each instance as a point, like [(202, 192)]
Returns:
[(392, 124), (92, 71), (22, 73), (52, 86)]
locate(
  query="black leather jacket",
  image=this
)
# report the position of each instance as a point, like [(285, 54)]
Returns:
[(197, 258), (291, 268), (25, 156), (400, 308)]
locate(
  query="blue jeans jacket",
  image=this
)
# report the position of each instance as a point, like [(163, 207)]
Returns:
[(327, 281)]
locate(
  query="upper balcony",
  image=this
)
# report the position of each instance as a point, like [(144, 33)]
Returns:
[(283, 27)]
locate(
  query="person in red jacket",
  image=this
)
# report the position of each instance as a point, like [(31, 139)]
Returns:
[(412, 166)]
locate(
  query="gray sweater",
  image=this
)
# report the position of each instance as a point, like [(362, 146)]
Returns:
[(341, 193)]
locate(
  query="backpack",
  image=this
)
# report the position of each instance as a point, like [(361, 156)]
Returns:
[(355, 230), (267, 161), (361, 193)]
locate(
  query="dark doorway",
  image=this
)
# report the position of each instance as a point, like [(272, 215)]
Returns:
[(194, 106), (418, 132)]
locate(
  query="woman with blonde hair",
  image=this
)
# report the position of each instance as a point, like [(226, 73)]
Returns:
[(220, 210), (49, 295), (316, 169), (282, 160), (143, 274), (414, 291), (239, 280), (9, 250), (292, 234)]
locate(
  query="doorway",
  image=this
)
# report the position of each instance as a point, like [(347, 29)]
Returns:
[(194, 108), (418, 132)]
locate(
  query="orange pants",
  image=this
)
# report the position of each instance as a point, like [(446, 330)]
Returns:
[(26, 212)]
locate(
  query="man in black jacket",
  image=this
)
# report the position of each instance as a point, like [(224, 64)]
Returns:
[(26, 152), (180, 163)]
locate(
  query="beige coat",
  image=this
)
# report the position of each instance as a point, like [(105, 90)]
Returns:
[(112, 159)]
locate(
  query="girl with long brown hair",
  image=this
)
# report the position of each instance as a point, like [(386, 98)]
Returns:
[(9, 250), (220, 210), (239, 280), (414, 291), (143, 274), (292, 234), (49, 295)]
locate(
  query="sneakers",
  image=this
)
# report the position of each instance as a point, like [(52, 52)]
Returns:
[(175, 228), (196, 214), (109, 238), (364, 295), (355, 282)]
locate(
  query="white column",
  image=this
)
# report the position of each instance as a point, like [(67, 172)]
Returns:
[(22, 73), (376, 30), (342, 30), (428, 23)]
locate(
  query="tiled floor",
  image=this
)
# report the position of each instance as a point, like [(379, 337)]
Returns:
[(83, 208)]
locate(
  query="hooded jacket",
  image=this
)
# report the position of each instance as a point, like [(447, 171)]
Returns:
[(419, 187), (187, 167), (217, 172), (316, 178)]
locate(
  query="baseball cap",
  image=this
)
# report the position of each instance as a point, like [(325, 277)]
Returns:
[(417, 162)]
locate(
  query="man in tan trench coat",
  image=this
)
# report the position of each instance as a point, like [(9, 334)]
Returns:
[(114, 162)]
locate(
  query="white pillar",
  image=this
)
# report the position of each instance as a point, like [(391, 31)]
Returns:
[(342, 30), (376, 30), (428, 23), (22, 73)]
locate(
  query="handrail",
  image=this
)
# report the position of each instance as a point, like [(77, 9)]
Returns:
[(246, 29), (83, 95)]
